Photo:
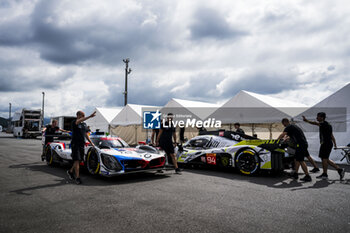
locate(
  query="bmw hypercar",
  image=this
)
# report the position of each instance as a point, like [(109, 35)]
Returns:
[(110, 156), (231, 149)]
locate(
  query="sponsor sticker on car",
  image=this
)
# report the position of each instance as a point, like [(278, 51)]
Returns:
[(211, 158)]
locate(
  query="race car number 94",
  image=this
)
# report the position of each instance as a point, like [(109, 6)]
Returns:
[(211, 159)]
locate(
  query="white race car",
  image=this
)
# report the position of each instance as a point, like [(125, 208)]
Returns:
[(111, 156)]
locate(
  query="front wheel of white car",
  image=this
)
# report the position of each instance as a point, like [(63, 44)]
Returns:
[(93, 162), (247, 162), (49, 156)]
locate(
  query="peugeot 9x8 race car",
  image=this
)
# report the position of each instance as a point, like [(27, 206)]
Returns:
[(231, 149), (109, 157)]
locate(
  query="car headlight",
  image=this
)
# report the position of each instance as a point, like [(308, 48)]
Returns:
[(110, 162)]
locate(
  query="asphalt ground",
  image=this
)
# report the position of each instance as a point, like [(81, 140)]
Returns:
[(38, 198)]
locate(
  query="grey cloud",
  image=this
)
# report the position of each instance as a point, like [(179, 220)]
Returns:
[(140, 93), (15, 33), (331, 67), (95, 39), (294, 21), (262, 82), (11, 80), (209, 23), (202, 87)]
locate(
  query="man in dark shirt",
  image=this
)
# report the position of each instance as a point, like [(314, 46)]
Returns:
[(79, 133), (182, 135), (301, 145), (164, 140), (50, 131), (154, 136), (327, 141), (238, 128)]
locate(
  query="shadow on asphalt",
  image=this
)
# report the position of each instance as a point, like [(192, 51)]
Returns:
[(279, 181), (88, 180)]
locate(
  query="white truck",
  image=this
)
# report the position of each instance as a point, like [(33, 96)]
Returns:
[(64, 122), (27, 123)]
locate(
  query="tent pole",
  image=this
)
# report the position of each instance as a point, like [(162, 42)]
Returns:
[(270, 129), (136, 134)]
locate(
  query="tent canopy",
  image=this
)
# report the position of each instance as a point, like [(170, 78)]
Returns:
[(248, 107), (131, 114), (197, 109), (337, 109), (103, 118)]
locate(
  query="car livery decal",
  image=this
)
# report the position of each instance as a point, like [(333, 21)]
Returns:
[(211, 158)]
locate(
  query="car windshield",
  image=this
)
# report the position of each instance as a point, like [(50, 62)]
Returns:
[(209, 142), (199, 142), (109, 143)]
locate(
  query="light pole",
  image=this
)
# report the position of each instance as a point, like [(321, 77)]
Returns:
[(42, 109), (127, 71), (9, 124)]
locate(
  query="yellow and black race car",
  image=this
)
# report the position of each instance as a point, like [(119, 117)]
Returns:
[(231, 149)]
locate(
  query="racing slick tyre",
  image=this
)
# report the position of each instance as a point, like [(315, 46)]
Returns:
[(49, 157), (93, 162), (247, 162)]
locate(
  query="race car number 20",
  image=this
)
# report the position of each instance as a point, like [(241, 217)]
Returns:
[(211, 158)]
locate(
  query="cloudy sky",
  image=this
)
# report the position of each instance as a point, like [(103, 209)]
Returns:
[(198, 50)]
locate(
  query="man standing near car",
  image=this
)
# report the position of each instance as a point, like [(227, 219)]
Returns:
[(50, 131), (79, 133), (164, 139), (154, 136), (238, 128), (298, 137), (327, 141)]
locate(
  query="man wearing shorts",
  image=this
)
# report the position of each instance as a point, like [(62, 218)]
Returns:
[(327, 141), (79, 133), (164, 140), (298, 137)]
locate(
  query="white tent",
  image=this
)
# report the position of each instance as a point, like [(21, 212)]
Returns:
[(337, 109), (197, 109), (257, 112), (128, 123), (249, 107), (188, 109), (131, 114), (103, 118)]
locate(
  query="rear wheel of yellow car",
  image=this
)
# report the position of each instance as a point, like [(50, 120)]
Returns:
[(247, 162), (93, 162)]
